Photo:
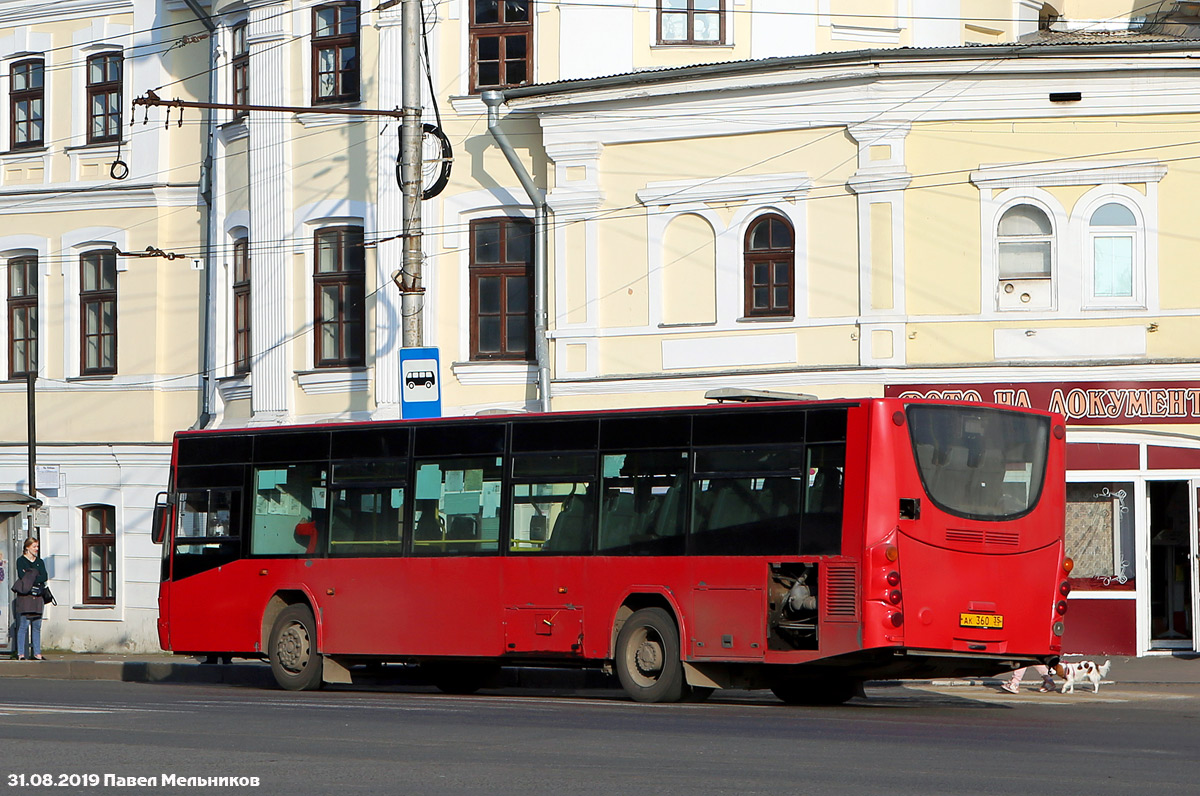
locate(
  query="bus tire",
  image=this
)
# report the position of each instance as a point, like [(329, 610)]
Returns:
[(648, 663), (834, 691), (292, 649)]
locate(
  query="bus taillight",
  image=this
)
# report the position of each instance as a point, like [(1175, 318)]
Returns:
[(891, 552), (896, 619), (893, 578), (1064, 588), (1060, 607), (894, 596), (1068, 565)]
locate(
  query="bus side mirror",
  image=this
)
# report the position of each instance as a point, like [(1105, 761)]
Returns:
[(162, 517)]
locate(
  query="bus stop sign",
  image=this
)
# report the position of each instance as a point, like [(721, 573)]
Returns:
[(420, 383)]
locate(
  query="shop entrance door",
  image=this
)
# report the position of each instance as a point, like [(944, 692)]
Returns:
[(1172, 514)]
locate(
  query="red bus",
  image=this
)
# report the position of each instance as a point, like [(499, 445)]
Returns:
[(803, 547)]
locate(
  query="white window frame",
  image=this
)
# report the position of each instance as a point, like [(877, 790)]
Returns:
[(1136, 203)]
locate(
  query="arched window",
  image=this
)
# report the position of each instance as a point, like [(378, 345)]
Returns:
[(770, 264), (1113, 233), (1026, 243)]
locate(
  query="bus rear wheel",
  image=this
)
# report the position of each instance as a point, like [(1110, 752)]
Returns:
[(648, 663), (834, 691), (292, 648)]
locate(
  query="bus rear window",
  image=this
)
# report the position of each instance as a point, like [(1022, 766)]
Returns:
[(980, 463)]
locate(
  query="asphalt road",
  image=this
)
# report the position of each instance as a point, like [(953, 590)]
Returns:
[(900, 740)]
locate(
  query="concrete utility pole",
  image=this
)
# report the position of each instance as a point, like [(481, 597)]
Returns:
[(412, 291)]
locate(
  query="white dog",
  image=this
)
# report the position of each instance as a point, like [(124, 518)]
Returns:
[(1082, 670)]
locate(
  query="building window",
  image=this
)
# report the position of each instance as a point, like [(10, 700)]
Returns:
[(28, 97), (99, 555), (1026, 243), (1114, 237), (241, 305), (339, 289), (98, 312), (241, 69), (22, 316), (104, 98), (770, 262), (501, 276), (691, 21), (501, 43), (335, 53)]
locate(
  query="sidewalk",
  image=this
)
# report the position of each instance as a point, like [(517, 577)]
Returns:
[(1181, 669)]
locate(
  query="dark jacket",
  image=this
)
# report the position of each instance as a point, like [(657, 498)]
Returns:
[(27, 603), (29, 575)]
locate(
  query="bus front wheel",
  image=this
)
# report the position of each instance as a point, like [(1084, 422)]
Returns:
[(648, 663), (295, 661)]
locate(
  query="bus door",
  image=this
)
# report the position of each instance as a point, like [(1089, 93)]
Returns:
[(554, 509), (1172, 528)]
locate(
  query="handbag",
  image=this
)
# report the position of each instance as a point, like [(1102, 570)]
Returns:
[(24, 584)]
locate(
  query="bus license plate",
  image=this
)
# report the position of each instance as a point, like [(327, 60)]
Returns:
[(981, 620)]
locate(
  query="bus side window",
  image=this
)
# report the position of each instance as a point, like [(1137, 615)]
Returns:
[(207, 530), (456, 508), (290, 504), (553, 503), (366, 507), (645, 493), (821, 531)]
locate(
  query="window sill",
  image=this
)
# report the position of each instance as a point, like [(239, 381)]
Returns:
[(328, 381), (671, 45), (234, 388), (33, 150), (766, 319), (100, 145), (697, 325), (91, 377), (494, 372)]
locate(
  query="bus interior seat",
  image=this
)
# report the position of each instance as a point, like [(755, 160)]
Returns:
[(619, 521), (428, 528), (826, 491), (463, 528), (734, 504), (780, 496), (571, 527)]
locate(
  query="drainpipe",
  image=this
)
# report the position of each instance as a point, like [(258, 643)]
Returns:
[(493, 100), (209, 227)]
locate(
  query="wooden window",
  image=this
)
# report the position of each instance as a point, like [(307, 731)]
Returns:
[(501, 43), (104, 98), (691, 22), (22, 316), (99, 555), (501, 275), (770, 262), (98, 312), (335, 53), (339, 290), (241, 69), (28, 97), (241, 305)]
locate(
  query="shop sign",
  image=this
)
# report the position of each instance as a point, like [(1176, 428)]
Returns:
[(1082, 403)]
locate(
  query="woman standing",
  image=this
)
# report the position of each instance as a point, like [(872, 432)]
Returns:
[(29, 606)]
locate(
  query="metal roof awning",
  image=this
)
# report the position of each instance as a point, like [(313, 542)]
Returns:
[(17, 501)]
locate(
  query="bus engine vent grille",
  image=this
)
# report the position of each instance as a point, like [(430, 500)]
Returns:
[(841, 591), (1006, 538)]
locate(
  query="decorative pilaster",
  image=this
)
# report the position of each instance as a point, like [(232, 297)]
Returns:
[(879, 184), (271, 232)]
